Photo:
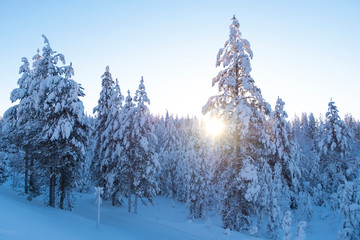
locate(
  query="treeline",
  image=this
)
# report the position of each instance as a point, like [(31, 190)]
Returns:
[(259, 174)]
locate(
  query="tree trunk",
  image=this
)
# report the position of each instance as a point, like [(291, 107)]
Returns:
[(191, 208), (225, 214), (135, 203), (129, 197), (201, 214), (114, 201), (52, 188), (26, 174), (62, 188), (33, 187)]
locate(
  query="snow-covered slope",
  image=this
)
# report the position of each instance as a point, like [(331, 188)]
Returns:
[(21, 219)]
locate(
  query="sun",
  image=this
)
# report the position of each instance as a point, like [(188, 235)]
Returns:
[(214, 126)]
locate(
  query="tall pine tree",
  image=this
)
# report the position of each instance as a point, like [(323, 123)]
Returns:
[(242, 108), (102, 110), (169, 157), (139, 143), (335, 147), (65, 132), (111, 148)]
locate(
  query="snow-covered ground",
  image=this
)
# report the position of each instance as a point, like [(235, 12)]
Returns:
[(21, 219), (324, 225)]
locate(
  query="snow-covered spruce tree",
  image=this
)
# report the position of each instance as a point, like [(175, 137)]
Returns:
[(286, 225), (145, 162), (111, 148), (12, 157), (169, 157), (241, 106), (350, 122), (354, 128), (3, 171), (182, 177), (24, 125), (300, 233), (266, 183), (305, 133), (3, 157), (311, 153), (125, 164), (308, 131), (335, 148), (269, 211), (313, 130), (296, 127), (139, 143), (102, 110), (64, 134), (274, 198), (3, 162), (350, 209), (304, 124), (283, 151), (159, 124), (197, 156)]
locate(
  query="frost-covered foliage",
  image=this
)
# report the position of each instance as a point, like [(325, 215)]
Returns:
[(111, 148), (274, 197), (350, 208), (241, 106), (3, 157), (198, 156), (283, 151), (49, 125), (98, 166), (170, 156), (140, 161), (335, 147), (145, 161), (300, 234), (354, 127), (182, 177), (3, 169), (107, 83), (237, 91), (306, 150), (336, 136), (286, 225), (65, 130), (125, 164), (23, 125), (280, 136)]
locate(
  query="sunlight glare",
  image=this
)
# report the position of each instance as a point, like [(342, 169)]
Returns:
[(214, 126)]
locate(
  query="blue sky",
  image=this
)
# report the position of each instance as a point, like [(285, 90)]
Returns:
[(304, 51)]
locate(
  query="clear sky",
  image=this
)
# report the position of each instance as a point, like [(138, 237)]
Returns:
[(304, 51)]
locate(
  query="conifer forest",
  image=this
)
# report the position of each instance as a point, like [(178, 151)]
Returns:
[(263, 173)]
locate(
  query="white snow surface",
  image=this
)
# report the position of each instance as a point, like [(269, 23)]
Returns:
[(21, 219)]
